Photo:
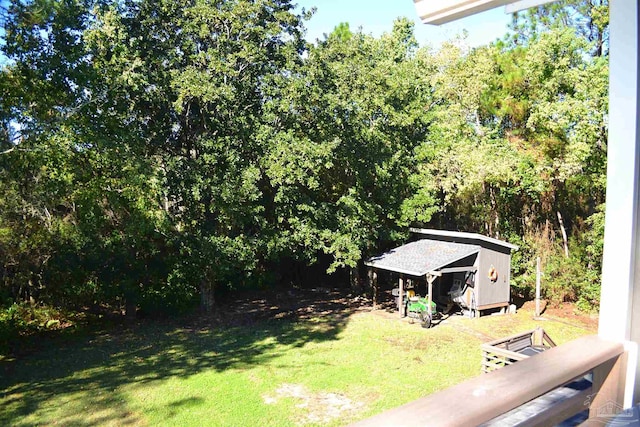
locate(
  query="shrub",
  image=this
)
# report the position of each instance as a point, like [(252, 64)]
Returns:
[(23, 318), (565, 279)]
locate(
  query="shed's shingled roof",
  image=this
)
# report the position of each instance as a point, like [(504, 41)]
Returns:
[(463, 235), (422, 256)]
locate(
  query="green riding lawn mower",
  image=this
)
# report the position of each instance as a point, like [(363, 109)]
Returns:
[(417, 307)]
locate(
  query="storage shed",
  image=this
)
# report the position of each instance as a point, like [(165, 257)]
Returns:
[(470, 269)]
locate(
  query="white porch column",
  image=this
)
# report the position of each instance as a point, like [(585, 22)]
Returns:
[(620, 301)]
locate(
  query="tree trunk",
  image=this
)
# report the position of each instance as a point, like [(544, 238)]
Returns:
[(130, 301), (494, 213), (373, 276), (130, 308), (354, 275), (207, 296), (564, 236)]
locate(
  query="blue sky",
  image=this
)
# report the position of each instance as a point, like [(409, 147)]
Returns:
[(377, 16)]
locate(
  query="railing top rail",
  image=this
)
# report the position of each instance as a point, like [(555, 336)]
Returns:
[(485, 397), (510, 338)]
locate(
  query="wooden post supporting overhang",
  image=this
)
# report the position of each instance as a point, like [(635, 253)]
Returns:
[(400, 295), (431, 276)]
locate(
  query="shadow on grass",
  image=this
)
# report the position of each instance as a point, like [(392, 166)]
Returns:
[(86, 374)]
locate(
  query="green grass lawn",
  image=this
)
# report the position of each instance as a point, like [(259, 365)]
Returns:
[(327, 369)]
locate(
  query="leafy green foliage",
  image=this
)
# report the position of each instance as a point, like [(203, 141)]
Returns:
[(20, 319), (154, 152), (342, 174), (588, 18)]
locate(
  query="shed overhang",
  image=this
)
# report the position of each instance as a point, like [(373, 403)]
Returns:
[(463, 235), (422, 257)]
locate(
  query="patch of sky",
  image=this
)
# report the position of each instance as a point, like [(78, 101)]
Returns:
[(376, 17)]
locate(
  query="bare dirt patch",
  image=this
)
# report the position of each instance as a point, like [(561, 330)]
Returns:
[(251, 307), (318, 408), (565, 312)]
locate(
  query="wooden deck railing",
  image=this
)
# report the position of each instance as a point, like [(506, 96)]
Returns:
[(506, 351), (481, 399)]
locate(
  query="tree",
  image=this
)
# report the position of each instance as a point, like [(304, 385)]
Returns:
[(85, 195), (152, 151), (196, 76), (40, 90), (589, 18), (343, 156)]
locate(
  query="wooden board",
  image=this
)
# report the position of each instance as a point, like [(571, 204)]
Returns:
[(487, 396)]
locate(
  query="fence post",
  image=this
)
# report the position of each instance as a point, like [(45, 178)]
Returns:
[(538, 287)]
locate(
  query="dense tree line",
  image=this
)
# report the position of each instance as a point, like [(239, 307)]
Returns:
[(154, 153)]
